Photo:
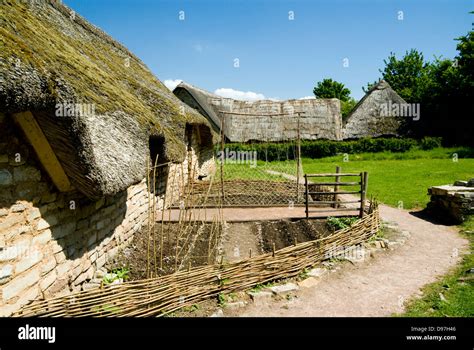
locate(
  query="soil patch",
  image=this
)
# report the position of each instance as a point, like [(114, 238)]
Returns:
[(183, 247), (284, 233)]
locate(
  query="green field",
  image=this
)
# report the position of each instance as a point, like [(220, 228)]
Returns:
[(395, 182), (396, 179)]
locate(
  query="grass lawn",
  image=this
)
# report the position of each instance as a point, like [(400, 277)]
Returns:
[(401, 178), (453, 295)]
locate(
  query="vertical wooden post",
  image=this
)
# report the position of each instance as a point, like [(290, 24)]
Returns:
[(363, 191), (298, 159), (222, 158), (336, 187), (306, 194)]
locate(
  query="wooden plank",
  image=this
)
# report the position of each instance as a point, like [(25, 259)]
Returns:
[(334, 210), (331, 174), (333, 202), (340, 192), (335, 183), (43, 150)]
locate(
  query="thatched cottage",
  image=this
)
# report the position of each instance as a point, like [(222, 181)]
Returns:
[(80, 118), (381, 112), (266, 120)]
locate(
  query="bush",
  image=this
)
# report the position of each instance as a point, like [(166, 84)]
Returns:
[(274, 151), (428, 143)]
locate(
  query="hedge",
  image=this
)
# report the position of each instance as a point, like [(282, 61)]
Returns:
[(326, 148)]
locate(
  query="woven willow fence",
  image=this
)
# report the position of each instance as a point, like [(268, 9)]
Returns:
[(163, 295)]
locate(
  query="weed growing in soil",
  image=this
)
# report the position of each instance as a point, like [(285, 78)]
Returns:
[(341, 223), (117, 274)]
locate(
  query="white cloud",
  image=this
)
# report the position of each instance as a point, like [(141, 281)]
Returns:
[(198, 48), (239, 95), (171, 84), (307, 98)]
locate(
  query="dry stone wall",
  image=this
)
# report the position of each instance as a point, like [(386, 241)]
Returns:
[(51, 242), (455, 202)]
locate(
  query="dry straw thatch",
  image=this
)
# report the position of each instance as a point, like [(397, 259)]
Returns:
[(51, 56), (163, 295)]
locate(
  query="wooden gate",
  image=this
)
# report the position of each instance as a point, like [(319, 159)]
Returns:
[(360, 182)]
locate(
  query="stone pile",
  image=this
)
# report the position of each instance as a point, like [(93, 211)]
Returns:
[(455, 201)]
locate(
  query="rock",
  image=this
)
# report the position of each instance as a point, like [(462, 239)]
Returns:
[(218, 313), (470, 183), (33, 214), (20, 284), (5, 272), (88, 286), (17, 208), (284, 288), (260, 297), (48, 198), (5, 178), (235, 305), (27, 173), (42, 224), (317, 272), (100, 273), (309, 282), (460, 183), (3, 212)]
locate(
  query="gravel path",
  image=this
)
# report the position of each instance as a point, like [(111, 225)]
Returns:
[(379, 286)]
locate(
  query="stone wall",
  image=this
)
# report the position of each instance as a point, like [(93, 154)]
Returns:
[(453, 202), (259, 120), (52, 242)]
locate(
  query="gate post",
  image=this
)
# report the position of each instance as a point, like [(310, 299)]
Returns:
[(306, 193), (336, 187), (363, 192)]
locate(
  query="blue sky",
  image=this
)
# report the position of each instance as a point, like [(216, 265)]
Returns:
[(278, 57)]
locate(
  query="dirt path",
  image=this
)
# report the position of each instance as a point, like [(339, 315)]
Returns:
[(378, 286)]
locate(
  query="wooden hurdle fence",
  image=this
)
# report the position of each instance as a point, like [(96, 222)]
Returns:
[(163, 295)]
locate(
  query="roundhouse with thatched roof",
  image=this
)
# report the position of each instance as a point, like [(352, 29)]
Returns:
[(81, 117), (372, 116)]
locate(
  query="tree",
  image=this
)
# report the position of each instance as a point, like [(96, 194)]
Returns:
[(347, 107), (408, 76), (329, 88)]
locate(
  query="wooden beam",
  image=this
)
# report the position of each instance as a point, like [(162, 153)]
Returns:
[(45, 153)]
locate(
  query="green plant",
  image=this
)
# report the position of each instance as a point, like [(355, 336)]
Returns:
[(341, 222), (258, 287), (428, 143), (116, 274), (221, 299), (277, 151)]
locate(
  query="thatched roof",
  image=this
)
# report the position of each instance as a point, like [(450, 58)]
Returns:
[(265, 120), (365, 119), (200, 100), (50, 55)]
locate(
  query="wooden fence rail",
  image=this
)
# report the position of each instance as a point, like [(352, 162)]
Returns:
[(336, 203)]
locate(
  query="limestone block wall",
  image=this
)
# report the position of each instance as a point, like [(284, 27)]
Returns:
[(52, 242), (276, 120)]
